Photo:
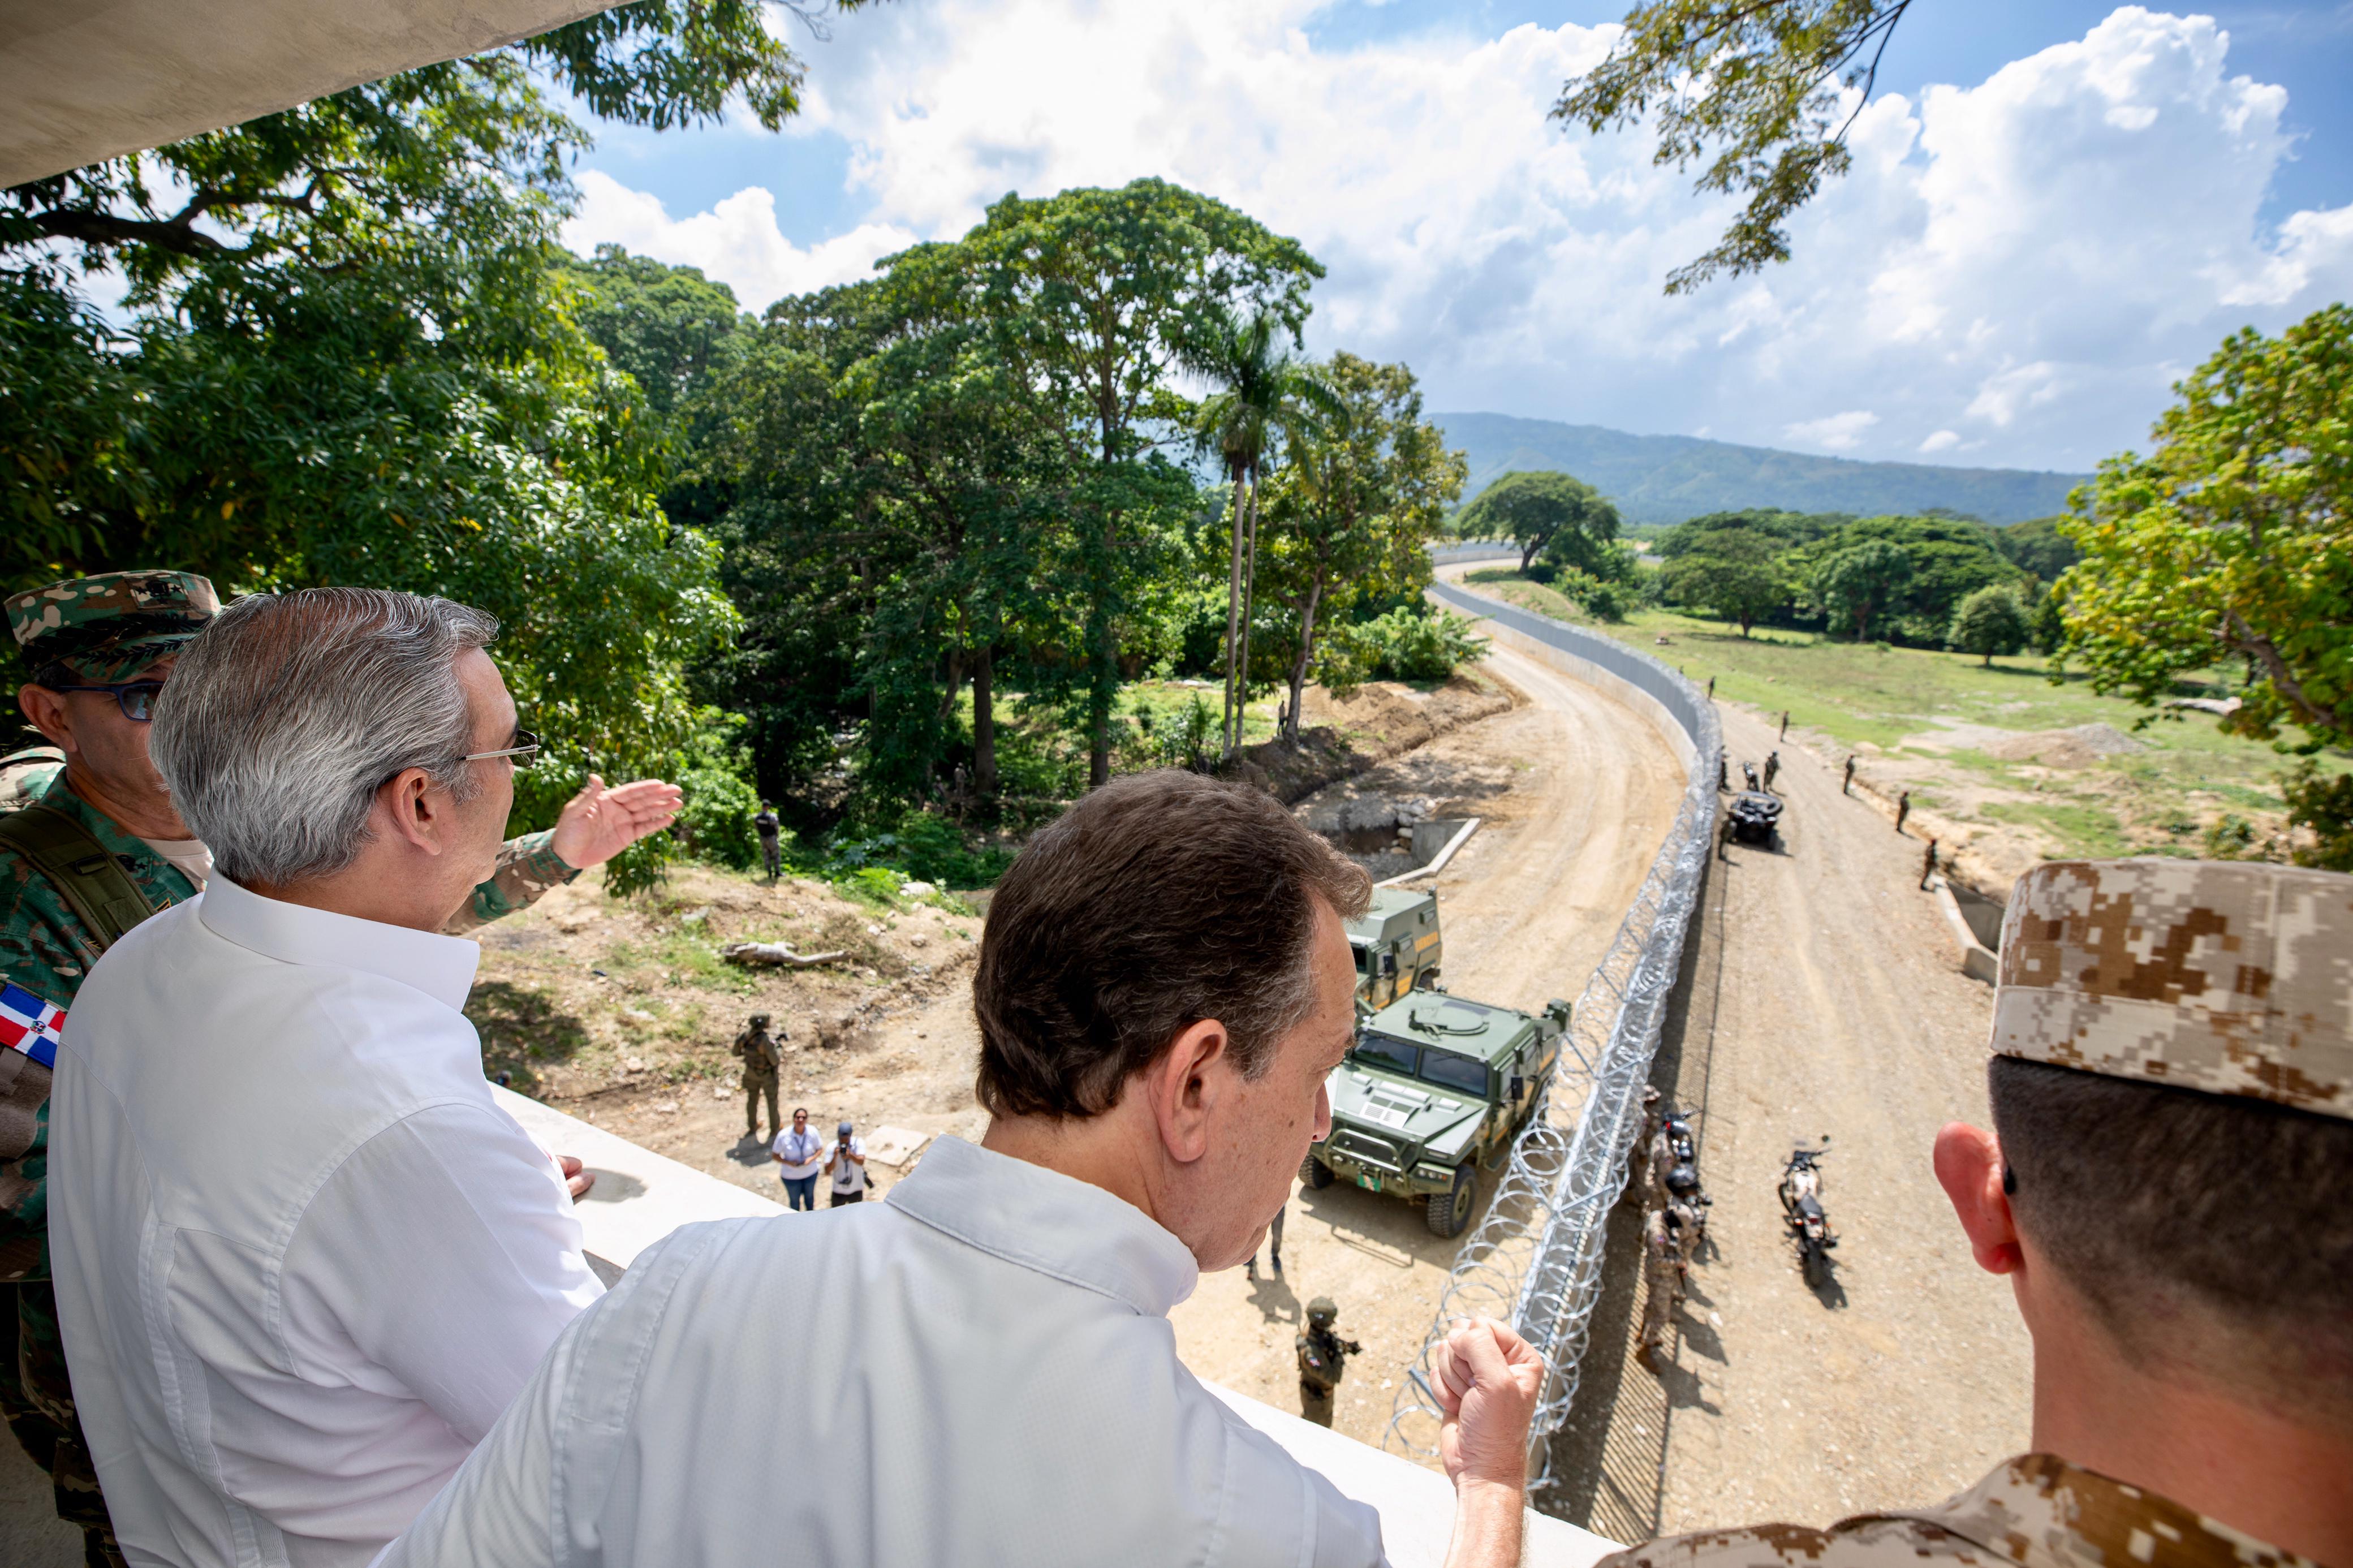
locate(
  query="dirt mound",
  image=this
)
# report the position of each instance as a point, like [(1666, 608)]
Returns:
[(1343, 736), (2077, 748)]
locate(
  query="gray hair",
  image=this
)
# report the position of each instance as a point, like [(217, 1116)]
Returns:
[(286, 714)]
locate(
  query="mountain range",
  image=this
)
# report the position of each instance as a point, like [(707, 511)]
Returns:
[(1666, 479)]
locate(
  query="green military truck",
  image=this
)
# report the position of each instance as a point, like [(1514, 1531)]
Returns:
[(1396, 947), (1434, 1085)]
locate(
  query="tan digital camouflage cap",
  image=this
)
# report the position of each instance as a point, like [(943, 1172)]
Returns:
[(111, 626), (2228, 977)]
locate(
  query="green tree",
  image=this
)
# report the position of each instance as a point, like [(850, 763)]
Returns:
[(1352, 515), (2037, 545), (671, 328), (1950, 558), (1988, 622), (1264, 394), (2232, 539), (2325, 806), (1102, 296), (1855, 583), (1739, 574), (1755, 88), (345, 355), (1536, 510)]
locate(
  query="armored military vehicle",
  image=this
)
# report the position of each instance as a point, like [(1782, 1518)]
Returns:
[(1396, 947), (1434, 1085)]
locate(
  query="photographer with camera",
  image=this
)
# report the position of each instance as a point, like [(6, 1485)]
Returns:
[(846, 1164)]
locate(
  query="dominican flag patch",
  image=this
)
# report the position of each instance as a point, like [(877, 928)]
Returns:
[(29, 1025)]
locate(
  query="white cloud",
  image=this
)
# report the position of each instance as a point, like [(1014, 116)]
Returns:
[(1836, 432), (736, 242), (2021, 264)]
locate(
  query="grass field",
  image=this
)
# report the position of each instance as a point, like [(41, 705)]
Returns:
[(1966, 739)]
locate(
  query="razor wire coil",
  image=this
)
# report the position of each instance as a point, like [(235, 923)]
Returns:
[(1534, 1260)]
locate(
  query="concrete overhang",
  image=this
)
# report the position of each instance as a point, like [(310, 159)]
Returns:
[(82, 80)]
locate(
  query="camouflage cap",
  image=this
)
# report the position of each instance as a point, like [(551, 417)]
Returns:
[(112, 626), (2228, 977)]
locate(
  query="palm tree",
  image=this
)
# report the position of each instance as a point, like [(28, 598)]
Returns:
[(1264, 392)]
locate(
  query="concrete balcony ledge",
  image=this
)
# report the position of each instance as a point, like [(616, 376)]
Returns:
[(641, 1197)]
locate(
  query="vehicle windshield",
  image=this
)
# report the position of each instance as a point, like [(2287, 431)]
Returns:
[(1364, 956), (1450, 1071), (1445, 1069)]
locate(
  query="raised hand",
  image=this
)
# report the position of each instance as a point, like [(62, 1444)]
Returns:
[(599, 823)]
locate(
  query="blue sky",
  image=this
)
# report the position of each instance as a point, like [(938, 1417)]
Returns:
[(2057, 208)]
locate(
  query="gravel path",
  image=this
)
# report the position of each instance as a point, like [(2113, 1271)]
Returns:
[(1822, 997)]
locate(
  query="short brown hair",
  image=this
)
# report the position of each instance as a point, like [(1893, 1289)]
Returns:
[(1158, 901), (2168, 1209)]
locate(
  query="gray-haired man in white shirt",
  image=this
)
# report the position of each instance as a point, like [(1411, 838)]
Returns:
[(302, 1259), (1165, 984)]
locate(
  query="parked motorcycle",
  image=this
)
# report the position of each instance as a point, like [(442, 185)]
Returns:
[(1801, 1208)]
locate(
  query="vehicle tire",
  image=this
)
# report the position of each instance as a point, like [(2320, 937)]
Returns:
[(1315, 1173), (1449, 1213), (1815, 1261)]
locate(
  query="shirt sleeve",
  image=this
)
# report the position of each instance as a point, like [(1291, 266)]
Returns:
[(445, 1253)]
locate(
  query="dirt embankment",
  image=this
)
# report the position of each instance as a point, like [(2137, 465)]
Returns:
[(1341, 737)]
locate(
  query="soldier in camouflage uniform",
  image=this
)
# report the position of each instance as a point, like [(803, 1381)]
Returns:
[(756, 1049), (2172, 1085), (1662, 1281), (1322, 1361), (100, 649)]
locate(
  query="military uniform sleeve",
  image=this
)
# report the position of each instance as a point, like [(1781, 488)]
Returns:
[(43, 951), (527, 868)]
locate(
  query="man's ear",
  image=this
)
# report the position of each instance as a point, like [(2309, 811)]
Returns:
[(419, 812), (1970, 1168), (1183, 1089), (46, 711)]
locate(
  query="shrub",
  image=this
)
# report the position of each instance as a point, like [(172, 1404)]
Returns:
[(2325, 806), (1409, 643), (714, 823)]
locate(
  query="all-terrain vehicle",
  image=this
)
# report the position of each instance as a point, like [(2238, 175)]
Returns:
[(1434, 1085), (1754, 817), (1396, 947)]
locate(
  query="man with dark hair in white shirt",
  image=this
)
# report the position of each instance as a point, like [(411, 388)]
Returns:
[(980, 1367), (302, 1260)]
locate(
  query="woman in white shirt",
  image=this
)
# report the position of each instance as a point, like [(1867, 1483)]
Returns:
[(800, 1153)]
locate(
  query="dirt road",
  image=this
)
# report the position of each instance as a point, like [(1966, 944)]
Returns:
[(1821, 998), (1575, 792)]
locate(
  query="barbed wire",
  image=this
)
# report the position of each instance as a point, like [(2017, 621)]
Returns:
[(1536, 1258)]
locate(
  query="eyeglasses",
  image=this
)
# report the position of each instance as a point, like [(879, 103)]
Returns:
[(135, 698), (525, 750)]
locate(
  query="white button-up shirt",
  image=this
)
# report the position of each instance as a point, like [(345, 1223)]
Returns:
[(302, 1261), (977, 1370)]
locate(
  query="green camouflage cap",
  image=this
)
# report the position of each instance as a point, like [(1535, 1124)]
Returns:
[(112, 626), (2227, 977)]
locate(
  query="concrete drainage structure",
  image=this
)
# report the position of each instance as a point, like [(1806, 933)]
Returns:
[(1536, 1258)]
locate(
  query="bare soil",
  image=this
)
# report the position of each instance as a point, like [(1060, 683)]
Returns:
[(1821, 997)]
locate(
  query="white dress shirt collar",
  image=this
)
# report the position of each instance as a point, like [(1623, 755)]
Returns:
[(442, 967), (1044, 1220)]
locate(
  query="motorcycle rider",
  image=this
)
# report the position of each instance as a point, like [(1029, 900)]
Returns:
[(2166, 1188)]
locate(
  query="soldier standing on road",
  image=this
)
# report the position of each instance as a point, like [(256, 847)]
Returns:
[(1928, 867), (1662, 1282), (1847, 787), (765, 825), (1273, 1246), (756, 1049), (1322, 1360), (1902, 809), (91, 845), (1639, 1159), (1723, 772), (1785, 726), (1772, 767), (2166, 1188)]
